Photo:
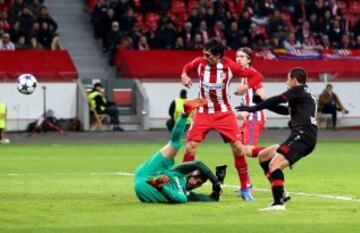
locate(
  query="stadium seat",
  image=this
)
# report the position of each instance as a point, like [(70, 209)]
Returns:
[(178, 7), (192, 4), (355, 7), (152, 19), (343, 7), (122, 97)]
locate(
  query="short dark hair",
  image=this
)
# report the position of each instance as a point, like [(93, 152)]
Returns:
[(215, 47), (248, 52), (183, 94), (96, 85), (329, 85), (300, 74)]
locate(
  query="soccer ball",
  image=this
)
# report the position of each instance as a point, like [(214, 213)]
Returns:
[(26, 84)]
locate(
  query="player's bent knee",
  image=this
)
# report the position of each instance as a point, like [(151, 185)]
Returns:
[(191, 147)]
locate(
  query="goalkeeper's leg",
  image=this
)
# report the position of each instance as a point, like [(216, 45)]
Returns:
[(178, 132)]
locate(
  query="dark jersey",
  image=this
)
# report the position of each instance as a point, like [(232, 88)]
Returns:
[(302, 108)]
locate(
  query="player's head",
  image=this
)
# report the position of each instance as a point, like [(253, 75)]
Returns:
[(183, 94), (297, 76), (244, 56), (213, 51), (195, 179)]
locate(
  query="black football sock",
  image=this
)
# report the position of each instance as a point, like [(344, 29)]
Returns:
[(277, 186)]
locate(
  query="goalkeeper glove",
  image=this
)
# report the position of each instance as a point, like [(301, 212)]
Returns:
[(158, 181)]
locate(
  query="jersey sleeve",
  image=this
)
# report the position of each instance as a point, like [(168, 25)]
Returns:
[(253, 76), (289, 94), (195, 197), (173, 196), (192, 66), (186, 168)]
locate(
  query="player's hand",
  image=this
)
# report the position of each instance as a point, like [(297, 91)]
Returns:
[(215, 196), (158, 181), (220, 172), (186, 80), (242, 115), (243, 108), (217, 187), (242, 89)]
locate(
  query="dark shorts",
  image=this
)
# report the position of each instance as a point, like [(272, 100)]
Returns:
[(298, 145)]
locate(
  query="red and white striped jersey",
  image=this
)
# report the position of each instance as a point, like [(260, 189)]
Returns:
[(215, 80), (247, 100)]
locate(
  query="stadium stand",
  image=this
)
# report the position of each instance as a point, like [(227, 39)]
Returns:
[(29, 25)]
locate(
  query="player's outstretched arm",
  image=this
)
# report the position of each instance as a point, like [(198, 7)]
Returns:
[(266, 104)]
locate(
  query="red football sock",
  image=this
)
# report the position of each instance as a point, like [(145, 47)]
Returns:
[(188, 158), (241, 167), (255, 152)]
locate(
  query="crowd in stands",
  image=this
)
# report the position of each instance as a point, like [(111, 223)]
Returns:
[(26, 24), (259, 24)]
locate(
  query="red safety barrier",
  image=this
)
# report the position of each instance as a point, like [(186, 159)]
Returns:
[(43, 64), (161, 64)]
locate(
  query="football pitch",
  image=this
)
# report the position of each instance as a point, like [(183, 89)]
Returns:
[(89, 188)]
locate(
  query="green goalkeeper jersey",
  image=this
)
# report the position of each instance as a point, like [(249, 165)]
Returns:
[(174, 191)]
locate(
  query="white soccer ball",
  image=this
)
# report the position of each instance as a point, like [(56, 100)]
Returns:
[(26, 84)]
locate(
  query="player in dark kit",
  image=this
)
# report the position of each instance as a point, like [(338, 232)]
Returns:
[(302, 108)]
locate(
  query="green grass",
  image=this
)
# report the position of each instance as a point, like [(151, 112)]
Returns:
[(52, 190)]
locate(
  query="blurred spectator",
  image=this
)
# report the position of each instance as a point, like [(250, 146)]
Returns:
[(326, 23), (244, 41), (357, 43), (35, 6), (310, 43), (5, 43), (301, 12), (179, 43), (345, 42), (34, 32), (122, 6), (45, 35), (128, 21), (314, 23), (325, 42), (16, 32), (210, 17), (187, 34), (320, 9), (143, 44), (244, 22), (17, 8), (20, 43), (194, 18), (99, 16), (233, 36), (276, 23), (126, 43), (336, 34), (197, 43), (56, 43), (166, 35), (290, 43), (113, 39), (219, 30), (26, 19), (303, 33), (329, 103), (34, 44), (275, 42), (104, 32), (205, 33)]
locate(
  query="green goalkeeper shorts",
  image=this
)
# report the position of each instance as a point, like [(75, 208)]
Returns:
[(155, 166)]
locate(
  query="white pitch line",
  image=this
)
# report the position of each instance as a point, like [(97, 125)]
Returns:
[(325, 196)]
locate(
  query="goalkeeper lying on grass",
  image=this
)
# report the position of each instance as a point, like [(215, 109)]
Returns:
[(159, 181)]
